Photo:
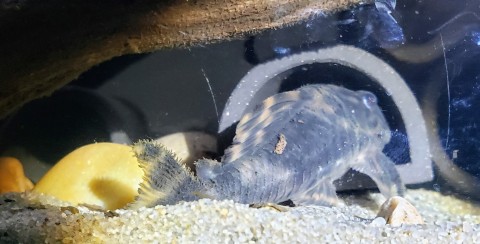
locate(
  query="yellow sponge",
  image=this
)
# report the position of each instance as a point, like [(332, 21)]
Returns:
[(101, 174)]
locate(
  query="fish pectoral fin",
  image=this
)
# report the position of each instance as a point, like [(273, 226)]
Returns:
[(323, 194), (383, 172)]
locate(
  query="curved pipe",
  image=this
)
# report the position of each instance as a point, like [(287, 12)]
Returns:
[(417, 171), (453, 175)]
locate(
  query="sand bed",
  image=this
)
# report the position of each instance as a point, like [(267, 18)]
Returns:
[(447, 220)]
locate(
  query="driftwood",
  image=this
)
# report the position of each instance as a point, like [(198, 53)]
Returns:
[(46, 44)]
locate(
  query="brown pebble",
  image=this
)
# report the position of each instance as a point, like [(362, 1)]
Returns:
[(272, 206), (110, 214), (397, 211), (69, 209)]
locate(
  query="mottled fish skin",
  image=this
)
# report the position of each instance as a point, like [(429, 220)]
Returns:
[(323, 131), (327, 129)]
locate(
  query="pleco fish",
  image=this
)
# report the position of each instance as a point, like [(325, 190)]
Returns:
[(291, 148)]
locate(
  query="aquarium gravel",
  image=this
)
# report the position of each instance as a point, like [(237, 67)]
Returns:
[(30, 219)]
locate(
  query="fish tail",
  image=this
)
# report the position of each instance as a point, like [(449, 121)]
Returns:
[(166, 180)]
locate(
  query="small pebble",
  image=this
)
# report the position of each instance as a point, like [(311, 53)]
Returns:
[(397, 211), (378, 221), (467, 227)]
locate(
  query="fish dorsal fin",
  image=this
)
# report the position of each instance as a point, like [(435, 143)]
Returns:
[(266, 122)]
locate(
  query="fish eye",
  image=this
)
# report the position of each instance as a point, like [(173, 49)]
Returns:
[(369, 99)]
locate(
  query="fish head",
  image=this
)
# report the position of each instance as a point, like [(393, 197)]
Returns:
[(370, 117)]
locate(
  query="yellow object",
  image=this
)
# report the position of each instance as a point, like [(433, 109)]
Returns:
[(12, 178), (101, 174)]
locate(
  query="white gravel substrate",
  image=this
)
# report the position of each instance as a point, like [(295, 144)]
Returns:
[(447, 220)]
